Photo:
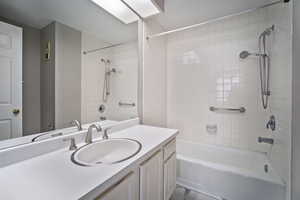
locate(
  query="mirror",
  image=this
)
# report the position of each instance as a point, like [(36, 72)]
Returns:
[(62, 61)]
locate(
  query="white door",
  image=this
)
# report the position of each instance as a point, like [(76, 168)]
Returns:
[(10, 81), (151, 178)]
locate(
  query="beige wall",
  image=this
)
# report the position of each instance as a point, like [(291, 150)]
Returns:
[(67, 75), (31, 78), (154, 76), (47, 84)]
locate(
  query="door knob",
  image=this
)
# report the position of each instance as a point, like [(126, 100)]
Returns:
[(16, 111)]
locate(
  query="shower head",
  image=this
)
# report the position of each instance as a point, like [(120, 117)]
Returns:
[(244, 54)]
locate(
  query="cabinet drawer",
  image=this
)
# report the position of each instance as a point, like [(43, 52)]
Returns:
[(169, 149)]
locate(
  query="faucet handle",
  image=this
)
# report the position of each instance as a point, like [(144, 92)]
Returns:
[(76, 123), (73, 145), (105, 133)]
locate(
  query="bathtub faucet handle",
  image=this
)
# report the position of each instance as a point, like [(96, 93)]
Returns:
[(271, 123)]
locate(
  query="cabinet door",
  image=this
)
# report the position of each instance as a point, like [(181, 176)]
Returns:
[(169, 177), (151, 178), (125, 189)]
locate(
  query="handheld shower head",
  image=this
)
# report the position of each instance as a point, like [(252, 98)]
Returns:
[(244, 54)]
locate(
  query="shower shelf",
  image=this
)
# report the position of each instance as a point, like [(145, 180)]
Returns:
[(216, 109)]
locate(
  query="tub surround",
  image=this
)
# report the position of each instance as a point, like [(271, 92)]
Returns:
[(54, 176)]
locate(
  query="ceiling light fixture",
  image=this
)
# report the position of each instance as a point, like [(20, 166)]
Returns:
[(117, 9), (128, 11), (144, 8)]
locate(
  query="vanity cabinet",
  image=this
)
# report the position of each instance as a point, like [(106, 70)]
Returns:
[(169, 169), (169, 176), (151, 178), (125, 189)]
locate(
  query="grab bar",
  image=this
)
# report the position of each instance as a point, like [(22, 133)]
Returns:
[(126, 104), (215, 109)]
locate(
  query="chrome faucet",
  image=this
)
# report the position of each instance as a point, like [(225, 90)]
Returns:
[(272, 123), (89, 138), (266, 140), (76, 123), (72, 144)]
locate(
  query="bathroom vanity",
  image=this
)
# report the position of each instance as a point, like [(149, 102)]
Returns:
[(150, 174)]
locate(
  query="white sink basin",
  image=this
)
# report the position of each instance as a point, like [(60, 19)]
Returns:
[(109, 151)]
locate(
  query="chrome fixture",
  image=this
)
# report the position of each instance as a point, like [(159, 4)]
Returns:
[(102, 118), (265, 140), (212, 129), (89, 137), (77, 124), (240, 110), (101, 108), (106, 85), (215, 20), (105, 134), (246, 54), (72, 144), (271, 123), (126, 104), (266, 168), (264, 65)]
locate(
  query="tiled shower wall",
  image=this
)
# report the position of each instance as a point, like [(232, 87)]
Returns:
[(204, 69), (123, 83), (281, 87)]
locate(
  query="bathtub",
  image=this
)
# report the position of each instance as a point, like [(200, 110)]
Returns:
[(227, 173)]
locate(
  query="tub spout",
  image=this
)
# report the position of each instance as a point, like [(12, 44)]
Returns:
[(265, 140)]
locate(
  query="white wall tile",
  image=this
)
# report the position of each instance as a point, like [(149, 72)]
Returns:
[(204, 69), (123, 83)]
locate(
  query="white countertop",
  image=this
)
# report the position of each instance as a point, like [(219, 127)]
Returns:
[(54, 176)]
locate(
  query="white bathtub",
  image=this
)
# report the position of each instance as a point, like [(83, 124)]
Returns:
[(228, 173)]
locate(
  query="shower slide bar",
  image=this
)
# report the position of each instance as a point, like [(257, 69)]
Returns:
[(240, 110), (188, 189), (215, 20)]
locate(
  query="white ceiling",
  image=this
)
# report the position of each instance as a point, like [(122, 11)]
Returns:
[(180, 13), (86, 16), (80, 14)]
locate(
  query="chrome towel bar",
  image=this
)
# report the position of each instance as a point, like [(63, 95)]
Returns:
[(240, 110)]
